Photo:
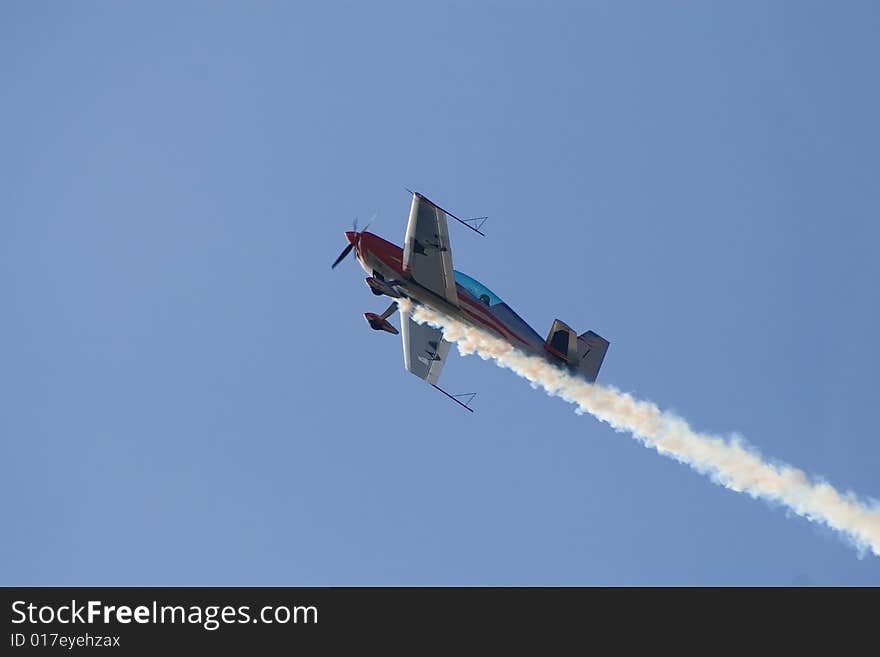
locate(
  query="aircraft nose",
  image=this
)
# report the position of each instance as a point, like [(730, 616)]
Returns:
[(351, 236)]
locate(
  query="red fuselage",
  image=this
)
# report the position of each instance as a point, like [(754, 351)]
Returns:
[(379, 256)]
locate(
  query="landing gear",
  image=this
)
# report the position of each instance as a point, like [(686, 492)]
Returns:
[(380, 322), (380, 287)]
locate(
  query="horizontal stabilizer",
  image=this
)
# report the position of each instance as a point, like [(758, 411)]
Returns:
[(562, 342)]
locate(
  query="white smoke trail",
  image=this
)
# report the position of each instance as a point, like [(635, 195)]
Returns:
[(730, 463)]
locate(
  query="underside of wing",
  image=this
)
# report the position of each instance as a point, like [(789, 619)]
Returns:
[(424, 349), (426, 253)]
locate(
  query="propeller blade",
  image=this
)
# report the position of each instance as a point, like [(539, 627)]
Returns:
[(342, 255), (369, 223)]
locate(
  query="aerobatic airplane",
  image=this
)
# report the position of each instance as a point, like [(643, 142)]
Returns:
[(422, 272)]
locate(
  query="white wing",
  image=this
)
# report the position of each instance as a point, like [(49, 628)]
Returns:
[(426, 253), (424, 349)]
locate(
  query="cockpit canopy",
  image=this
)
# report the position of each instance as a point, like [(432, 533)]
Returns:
[(500, 310), (477, 289)]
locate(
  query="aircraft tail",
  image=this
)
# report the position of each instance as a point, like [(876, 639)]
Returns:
[(591, 353), (583, 353)]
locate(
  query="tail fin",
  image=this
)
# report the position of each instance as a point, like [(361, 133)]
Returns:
[(582, 353), (591, 353)]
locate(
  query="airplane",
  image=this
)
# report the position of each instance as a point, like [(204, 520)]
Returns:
[(422, 272)]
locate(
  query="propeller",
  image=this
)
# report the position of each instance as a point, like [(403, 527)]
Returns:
[(353, 238), (342, 255), (369, 223)]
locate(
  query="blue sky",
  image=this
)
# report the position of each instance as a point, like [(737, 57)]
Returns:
[(191, 396)]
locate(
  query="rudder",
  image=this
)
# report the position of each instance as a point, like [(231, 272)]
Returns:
[(591, 353)]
